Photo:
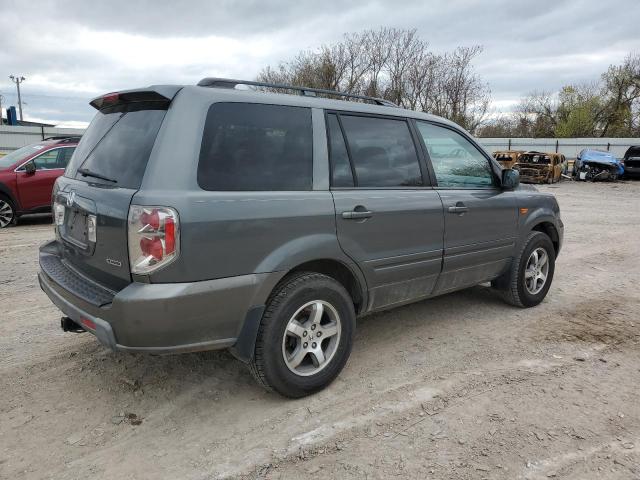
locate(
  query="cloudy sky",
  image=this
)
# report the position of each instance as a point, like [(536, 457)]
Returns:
[(73, 50)]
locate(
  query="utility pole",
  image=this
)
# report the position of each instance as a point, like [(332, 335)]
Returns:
[(18, 80)]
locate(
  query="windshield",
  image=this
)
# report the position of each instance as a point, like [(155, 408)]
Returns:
[(19, 155), (116, 147)]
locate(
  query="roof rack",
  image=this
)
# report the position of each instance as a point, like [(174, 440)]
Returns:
[(65, 138), (306, 91)]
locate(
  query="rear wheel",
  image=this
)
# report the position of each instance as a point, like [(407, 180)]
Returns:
[(7, 212), (305, 335), (531, 273)]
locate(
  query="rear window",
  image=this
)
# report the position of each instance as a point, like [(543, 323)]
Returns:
[(252, 147), (117, 146)]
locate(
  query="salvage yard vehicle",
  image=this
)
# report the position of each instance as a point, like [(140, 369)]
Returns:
[(596, 165), (507, 158), (27, 176), (541, 167), (208, 217), (631, 162)]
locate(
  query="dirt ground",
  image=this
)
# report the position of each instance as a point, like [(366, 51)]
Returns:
[(462, 386)]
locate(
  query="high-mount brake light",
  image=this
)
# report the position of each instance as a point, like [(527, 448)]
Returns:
[(154, 238), (110, 98)]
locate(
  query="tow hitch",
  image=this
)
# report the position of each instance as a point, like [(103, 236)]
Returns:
[(69, 325)]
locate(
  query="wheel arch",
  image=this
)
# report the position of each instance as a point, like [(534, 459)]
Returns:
[(340, 272), (347, 275), (549, 229), (6, 192)]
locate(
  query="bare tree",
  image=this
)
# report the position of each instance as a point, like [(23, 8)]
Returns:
[(397, 65)]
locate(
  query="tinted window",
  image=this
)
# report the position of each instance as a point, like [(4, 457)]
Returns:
[(341, 175), (382, 152), (122, 143), (50, 160), (65, 155), (456, 161), (98, 127), (256, 147)]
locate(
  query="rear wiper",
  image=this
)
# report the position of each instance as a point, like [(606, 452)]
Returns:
[(88, 173)]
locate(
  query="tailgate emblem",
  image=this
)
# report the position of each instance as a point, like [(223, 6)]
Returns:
[(71, 198), (115, 263)]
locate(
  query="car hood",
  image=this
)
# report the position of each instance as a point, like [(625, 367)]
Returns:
[(599, 157)]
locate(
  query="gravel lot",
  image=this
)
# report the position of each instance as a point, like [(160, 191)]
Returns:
[(462, 386)]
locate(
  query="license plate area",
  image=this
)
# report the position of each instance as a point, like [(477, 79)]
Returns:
[(76, 228)]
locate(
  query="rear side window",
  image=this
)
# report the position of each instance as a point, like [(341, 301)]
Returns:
[(253, 147), (382, 152), (117, 146)]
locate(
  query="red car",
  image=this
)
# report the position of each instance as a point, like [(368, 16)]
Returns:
[(27, 176)]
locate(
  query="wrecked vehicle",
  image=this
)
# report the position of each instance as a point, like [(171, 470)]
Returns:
[(596, 165), (631, 162), (507, 158), (541, 167)]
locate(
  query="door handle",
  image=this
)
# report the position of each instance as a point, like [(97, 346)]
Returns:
[(357, 214), (459, 208)]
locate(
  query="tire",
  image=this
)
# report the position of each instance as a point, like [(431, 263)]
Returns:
[(516, 288), (283, 362), (7, 212)]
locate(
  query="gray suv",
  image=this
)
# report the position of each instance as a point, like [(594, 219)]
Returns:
[(207, 217)]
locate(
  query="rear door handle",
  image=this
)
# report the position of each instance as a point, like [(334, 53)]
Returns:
[(356, 214), (459, 208)]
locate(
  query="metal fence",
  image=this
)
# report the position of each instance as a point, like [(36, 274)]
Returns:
[(569, 147), (12, 138)]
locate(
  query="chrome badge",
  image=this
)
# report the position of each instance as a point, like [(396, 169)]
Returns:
[(115, 263), (71, 198)]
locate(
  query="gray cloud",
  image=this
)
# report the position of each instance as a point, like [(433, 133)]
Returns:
[(71, 50)]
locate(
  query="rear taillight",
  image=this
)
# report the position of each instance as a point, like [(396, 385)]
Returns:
[(154, 238), (58, 213)]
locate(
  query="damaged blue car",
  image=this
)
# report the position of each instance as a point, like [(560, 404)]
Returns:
[(594, 165)]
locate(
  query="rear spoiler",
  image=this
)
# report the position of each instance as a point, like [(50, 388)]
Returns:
[(155, 93)]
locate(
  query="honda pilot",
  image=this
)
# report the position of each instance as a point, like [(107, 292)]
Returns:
[(211, 217)]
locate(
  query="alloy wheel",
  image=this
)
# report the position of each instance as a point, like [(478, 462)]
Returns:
[(6, 213), (311, 338), (537, 270)]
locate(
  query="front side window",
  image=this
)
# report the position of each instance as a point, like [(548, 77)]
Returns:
[(256, 147), (382, 152), (456, 161), (51, 159), (47, 160)]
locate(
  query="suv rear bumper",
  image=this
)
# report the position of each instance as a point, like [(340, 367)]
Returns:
[(162, 318)]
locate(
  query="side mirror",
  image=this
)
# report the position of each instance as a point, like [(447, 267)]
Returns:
[(510, 178), (30, 168)]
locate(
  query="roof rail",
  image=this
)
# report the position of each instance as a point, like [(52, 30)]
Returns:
[(65, 138), (307, 91)]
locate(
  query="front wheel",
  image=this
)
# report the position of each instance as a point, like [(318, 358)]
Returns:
[(305, 335), (531, 273)]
